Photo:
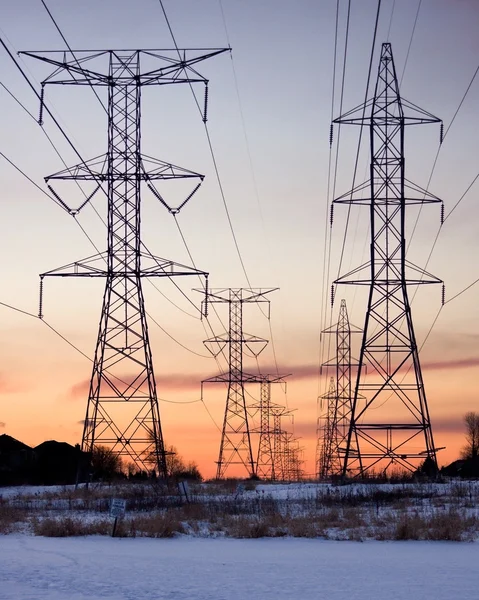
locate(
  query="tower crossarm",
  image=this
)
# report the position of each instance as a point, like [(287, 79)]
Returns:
[(172, 69)]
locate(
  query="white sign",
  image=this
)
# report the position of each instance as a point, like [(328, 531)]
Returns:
[(117, 507)]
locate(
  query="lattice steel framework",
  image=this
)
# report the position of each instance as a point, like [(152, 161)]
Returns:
[(327, 432), (266, 466), (338, 398), (122, 410), (392, 426), (235, 446)]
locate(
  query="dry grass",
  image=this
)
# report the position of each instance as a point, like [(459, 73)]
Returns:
[(155, 525), (402, 512), (11, 518), (69, 527), (159, 525)]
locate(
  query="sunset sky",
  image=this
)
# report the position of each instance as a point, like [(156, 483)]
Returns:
[(269, 119)]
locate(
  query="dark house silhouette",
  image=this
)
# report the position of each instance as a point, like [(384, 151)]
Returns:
[(16, 461), (56, 463), (465, 468)]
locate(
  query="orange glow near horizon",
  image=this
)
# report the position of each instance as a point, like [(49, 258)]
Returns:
[(190, 429)]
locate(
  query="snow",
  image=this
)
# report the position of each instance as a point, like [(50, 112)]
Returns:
[(35, 568), (32, 490)]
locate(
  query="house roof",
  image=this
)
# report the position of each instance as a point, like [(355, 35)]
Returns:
[(10, 444), (54, 447)]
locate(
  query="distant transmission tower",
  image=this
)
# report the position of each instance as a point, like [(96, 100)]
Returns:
[(265, 464), (339, 398), (235, 447), (279, 443), (327, 432), (392, 425), (122, 411)]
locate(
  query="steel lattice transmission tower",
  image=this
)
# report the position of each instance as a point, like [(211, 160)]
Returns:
[(339, 397), (281, 439), (122, 411), (235, 446), (327, 432), (392, 425), (266, 465)]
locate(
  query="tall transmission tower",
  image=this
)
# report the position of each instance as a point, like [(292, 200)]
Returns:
[(392, 425), (339, 397), (235, 446), (122, 410)]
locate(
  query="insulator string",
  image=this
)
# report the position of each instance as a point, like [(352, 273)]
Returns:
[(205, 105), (40, 300), (40, 114)]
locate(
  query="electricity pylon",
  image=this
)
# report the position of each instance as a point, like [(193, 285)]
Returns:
[(327, 433), (392, 426), (279, 443), (235, 446), (265, 464), (338, 398), (122, 410)]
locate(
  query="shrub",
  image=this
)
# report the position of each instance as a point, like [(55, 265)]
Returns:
[(11, 518)]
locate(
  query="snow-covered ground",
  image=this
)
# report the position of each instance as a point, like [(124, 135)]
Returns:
[(35, 568)]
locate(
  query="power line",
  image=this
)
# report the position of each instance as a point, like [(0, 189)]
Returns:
[(327, 231), (72, 53), (360, 132), (336, 163), (391, 20), (359, 143), (410, 41), (219, 180), (79, 351), (461, 198), (468, 287), (436, 159)]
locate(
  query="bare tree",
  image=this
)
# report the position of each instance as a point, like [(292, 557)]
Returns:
[(176, 466), (471, 449), (105, 463)]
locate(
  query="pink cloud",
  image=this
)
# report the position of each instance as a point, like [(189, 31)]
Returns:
[(192, 381)]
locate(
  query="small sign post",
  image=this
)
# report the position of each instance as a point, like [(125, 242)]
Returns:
[(117, 510), (184, 490)]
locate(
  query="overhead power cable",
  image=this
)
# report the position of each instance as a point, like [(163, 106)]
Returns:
[(410, 42), (373, 45), (327, 230), (255, 184), (219, 180), (79, 351), (222, 193), (435, 163), (73, 55)]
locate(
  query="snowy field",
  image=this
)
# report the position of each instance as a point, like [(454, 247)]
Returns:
[(36, 568)]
